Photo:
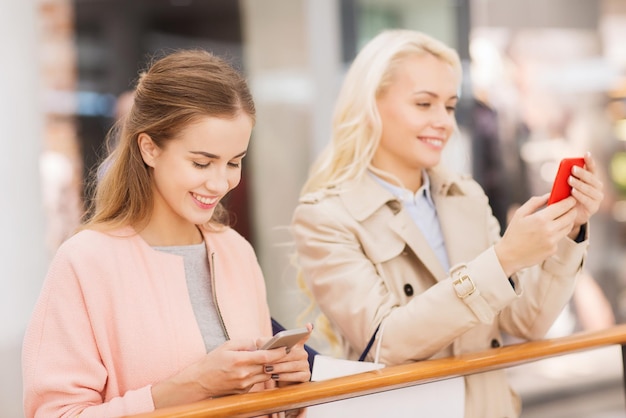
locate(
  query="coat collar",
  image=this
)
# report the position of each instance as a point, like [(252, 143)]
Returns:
[(363, 196), (455, 204)]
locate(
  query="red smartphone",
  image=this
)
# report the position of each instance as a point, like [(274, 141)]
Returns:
[(561, 189)]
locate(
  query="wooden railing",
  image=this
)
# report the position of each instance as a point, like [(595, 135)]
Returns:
[(311, 393)]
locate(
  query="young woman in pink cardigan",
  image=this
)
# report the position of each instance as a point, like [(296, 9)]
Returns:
[(156, 301)]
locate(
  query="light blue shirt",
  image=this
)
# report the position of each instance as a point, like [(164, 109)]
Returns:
[(422, 210)]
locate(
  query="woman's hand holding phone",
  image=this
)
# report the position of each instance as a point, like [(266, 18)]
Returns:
[(587, 189), (561, 187), (535, 229), (577, 177), (294, 366), (233, 367), (534, 232)]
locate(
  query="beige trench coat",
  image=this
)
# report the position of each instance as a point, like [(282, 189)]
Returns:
[(366, 262)]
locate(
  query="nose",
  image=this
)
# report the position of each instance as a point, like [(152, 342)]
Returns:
[(217, 181), (443, 118)]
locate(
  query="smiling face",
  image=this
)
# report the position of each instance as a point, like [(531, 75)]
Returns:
[(417, 114), (191, 174)]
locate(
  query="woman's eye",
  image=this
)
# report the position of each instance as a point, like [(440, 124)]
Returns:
[(451, 109), (423, 104), (198, 165), (234, 164)]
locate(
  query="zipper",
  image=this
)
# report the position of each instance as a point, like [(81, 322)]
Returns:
[(217, 305)]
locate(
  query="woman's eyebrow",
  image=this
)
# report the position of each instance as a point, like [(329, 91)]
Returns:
[(209, 155), (430, 93)]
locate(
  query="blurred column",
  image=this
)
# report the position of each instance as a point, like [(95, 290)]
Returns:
[(61, 162), (292, 59), (22, 253)]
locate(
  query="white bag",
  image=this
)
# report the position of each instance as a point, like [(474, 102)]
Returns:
[(441, 399)]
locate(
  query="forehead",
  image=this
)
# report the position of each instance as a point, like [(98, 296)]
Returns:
[(209, 132), (423, 72)]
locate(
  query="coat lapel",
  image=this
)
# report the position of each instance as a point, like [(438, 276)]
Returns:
[(403, 225), (369, 202), (464, 240), (365, 198)]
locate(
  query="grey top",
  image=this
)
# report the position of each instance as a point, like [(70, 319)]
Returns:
[(198, 276)]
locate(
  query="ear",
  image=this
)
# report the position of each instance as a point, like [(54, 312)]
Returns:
[(149, 150)]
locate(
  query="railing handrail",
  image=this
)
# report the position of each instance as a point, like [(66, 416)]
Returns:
[(393, 377)]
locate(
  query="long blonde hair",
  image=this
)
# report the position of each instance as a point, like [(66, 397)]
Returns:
[(356, 127), (176, 90)]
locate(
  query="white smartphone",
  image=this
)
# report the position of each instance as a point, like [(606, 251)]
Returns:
[(286, 338)]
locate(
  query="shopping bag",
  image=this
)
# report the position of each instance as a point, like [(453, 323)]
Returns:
[(441, 399)]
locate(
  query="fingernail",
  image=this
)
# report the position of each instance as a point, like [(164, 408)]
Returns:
[(275, 376), (269, 369)]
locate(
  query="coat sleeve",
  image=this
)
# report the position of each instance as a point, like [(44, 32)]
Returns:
[(542, 290), (545, 289), (62, 372), (350, 291)]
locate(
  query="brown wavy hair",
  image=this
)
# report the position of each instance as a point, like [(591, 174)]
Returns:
[(175, 91)]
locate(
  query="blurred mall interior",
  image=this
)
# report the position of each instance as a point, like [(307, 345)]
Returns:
[(544, 79)]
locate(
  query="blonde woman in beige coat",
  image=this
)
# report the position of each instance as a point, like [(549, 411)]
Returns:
[(388, 238)]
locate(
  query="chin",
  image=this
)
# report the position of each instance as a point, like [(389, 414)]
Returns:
[(200, 220), (426, 165)]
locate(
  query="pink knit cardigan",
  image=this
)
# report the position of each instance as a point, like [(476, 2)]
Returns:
[(114, 317)]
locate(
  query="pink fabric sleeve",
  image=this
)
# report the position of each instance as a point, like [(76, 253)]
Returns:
[(62, 369)]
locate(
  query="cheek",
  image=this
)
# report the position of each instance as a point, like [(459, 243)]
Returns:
[(169, 185), (416, 119), (233, 179), (186, 178)]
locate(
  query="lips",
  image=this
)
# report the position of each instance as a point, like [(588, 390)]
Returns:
[(209, 201), (435, 142)]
